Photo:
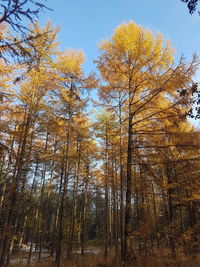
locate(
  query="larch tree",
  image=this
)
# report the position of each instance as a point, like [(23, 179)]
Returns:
[(142, 65), (72, 83), (126, 181), (30, 95), (14, 18)]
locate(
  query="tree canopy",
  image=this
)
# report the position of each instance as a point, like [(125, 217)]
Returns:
[(111, 180), (191, 5)]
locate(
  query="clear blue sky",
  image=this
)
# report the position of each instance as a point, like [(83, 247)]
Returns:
[(84, 23)]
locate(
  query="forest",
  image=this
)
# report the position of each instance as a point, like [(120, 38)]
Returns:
[(98, 169)]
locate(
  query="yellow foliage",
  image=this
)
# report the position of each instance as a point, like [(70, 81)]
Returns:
[(5, 74), (70, 63)]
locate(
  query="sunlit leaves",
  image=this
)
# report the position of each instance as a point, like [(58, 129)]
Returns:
[(70, 63)]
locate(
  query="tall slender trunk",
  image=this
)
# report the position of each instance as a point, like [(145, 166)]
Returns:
[(114, 202), (170, 203), (74, 201), (84, 211), (14, 197), (106, 199), (122, 234), (128, 228), (35, 213), (59, 250), (43, 180), (56, 219)]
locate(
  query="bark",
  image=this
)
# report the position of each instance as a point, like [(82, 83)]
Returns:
[(122, 233), (74, 201), (128, 228), (84, 211), (12, 211), (62, 206), (106, 198)]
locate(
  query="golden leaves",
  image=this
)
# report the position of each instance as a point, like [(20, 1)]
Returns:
[(132, 50), (5, 74), (70, 63)]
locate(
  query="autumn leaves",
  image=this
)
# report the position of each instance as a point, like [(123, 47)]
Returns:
[(122, 172)]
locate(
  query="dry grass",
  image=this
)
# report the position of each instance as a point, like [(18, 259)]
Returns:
[(92, 260)]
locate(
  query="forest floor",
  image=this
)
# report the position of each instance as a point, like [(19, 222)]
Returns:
[(95, 258), (21, 258)]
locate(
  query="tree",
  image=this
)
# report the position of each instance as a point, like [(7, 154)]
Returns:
[(191, 5), (30, 99), (13, 11), (138, 63), (72, 84), (13, 16), (127, 180), (105, 131)]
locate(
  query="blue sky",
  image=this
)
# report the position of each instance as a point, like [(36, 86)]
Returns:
[(84, 23)]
